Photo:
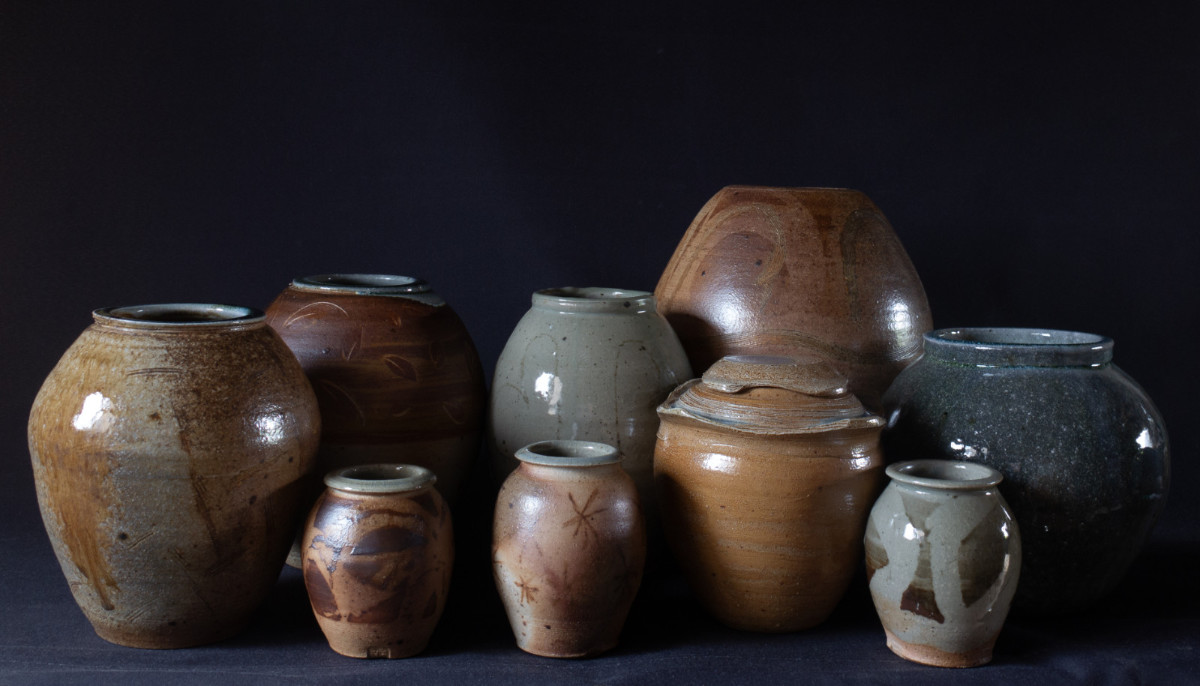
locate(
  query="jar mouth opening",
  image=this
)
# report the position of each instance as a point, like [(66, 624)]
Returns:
[(1018, 336), (380, 478), (595, 299), (362, 284), (945, 474), (178, 315), (1018, 347), (561, 453)]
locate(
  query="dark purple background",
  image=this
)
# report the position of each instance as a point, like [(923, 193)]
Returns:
[(1040, 163)]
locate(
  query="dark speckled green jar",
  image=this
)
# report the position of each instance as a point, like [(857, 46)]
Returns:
[(1082, 448)]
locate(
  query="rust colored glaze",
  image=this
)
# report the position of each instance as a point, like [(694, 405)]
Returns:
[(395, 371), (788, 271), (169, 449), (378, 551), (766, 469), (568, 548)]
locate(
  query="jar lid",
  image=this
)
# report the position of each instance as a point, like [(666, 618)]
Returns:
[(771, 395)]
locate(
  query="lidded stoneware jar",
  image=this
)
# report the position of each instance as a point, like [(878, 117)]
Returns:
[(943, 560), (1082, 448), (394, 369), (766, 469), (378, 552), (801, 272), (170, 448), (568, 548), (586, 364)]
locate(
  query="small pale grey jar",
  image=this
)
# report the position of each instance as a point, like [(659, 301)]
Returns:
[(943, 557)]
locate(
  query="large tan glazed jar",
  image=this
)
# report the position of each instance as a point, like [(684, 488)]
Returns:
[(169, 448), (766, 469), (797, 271)]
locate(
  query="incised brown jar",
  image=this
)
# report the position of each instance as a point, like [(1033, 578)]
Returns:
[(396, 374), (766, 469), (568, 548), (797, 271), (378, 552), (169, 448)]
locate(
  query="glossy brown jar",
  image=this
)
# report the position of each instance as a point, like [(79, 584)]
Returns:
[(378, 551), (767, 468), (568, 548), (396, 374), (169, 447), (797, 271)]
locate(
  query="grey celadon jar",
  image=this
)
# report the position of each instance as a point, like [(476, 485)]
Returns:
[(588, 364), (943, 557), (1082, 448)]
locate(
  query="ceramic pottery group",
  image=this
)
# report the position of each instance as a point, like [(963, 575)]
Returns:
[(568, 548), (766, 469), (170, 446), (378, 551), (797, 271), (394, 369), (1083, 450), (943, 558)]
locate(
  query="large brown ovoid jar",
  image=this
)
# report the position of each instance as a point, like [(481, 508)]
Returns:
[(170, 445), (378, 551), (568, 548), (787, 271), (395, 371), (766, 469)]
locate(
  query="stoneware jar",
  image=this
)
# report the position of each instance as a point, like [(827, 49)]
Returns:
[(170, 445), (943, 559), (766, 469), (394, 369), (378, 551), (797, 271), (568, 548), (586, 364), (1082, 449)]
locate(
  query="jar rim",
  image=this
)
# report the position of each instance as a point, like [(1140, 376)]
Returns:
[(380, 478), (953, 475), (178, 315), (1018, 347), (595, 299), (362, 284), (565, 453)]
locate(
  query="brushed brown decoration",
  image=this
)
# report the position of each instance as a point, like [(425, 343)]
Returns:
[(378, 551)]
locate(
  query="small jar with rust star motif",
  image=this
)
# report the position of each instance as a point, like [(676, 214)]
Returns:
[(568, 548)]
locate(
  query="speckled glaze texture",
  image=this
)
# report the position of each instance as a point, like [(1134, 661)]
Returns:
[(586, 364), (170, 445), (766, 469), (378, 553), (395, 371), (568, 548), (943, 560), (1083, 451), (797, 271)]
